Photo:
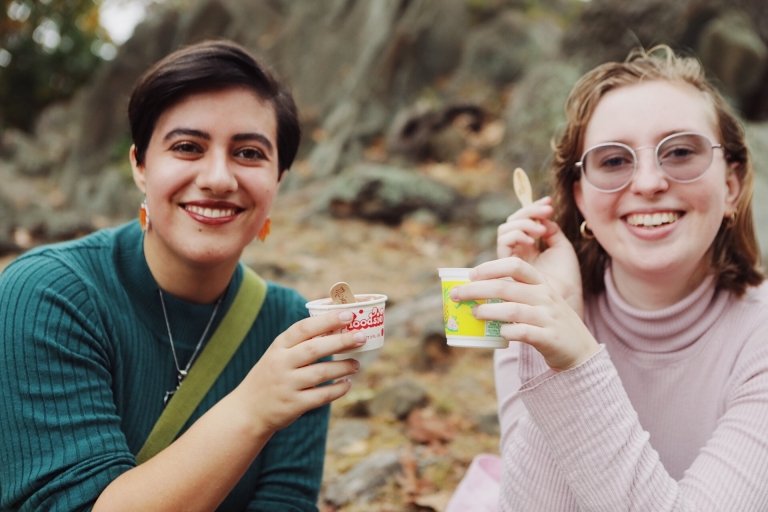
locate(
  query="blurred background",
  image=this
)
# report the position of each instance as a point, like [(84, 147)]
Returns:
[(414, 113)]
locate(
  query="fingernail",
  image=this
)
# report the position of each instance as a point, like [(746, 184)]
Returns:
[(359, 338), (345, 316)]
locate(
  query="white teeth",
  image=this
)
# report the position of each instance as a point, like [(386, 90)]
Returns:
[(652, 219), (212, 213)]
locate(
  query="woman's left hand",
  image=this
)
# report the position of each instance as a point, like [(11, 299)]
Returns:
[(531, 311)]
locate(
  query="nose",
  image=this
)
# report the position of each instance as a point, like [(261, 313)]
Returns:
[(215, 174), (648, 178)]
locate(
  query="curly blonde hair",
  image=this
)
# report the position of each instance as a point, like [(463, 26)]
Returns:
[(735, 251)]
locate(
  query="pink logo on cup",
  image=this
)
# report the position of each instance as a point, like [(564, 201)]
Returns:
[(374, 319)]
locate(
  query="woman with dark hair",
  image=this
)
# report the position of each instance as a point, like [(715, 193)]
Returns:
[(99, 334), (641, 378)]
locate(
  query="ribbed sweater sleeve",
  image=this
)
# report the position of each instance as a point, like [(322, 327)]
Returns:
[(580, 444), (60, 438)]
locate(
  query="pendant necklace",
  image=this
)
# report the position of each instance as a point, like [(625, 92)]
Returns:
[(182, 373)]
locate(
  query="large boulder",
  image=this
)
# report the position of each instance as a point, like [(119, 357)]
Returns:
[(385, 193), (731, 48), (533, 117)]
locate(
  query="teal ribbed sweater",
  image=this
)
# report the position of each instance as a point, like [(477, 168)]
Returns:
[(85, 362)]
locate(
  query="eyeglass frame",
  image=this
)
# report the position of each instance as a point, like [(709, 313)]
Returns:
[(633, 151)]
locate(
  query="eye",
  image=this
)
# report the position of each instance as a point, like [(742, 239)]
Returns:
[(251, 154), (684, 148), (610, 159), (615, 161), (185, 148), (677, 152)]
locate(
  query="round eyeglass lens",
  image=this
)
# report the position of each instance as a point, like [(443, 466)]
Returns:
[(685, 157), (609, 166)]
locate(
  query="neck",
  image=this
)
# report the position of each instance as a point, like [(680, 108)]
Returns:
[(199, 283), (658, 291)]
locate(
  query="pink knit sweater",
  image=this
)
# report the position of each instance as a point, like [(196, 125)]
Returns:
[(671, 414)]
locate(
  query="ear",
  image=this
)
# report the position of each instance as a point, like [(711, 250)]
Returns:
[(137, 170), (732, 188)]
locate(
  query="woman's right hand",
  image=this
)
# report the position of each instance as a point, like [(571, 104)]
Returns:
[(530, 234), (288, 380)]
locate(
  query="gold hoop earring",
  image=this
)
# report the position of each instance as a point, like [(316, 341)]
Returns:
[(730, 219), (586, 233)]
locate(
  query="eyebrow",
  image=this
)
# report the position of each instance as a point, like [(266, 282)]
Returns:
[(238, 137), (176, 132)]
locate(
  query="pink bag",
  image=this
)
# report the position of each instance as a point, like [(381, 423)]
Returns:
[(478, 491)]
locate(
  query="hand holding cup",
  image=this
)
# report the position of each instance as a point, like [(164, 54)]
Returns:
[(367, 312)]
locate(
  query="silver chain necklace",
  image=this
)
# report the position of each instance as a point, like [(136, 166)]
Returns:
[(182, 373)]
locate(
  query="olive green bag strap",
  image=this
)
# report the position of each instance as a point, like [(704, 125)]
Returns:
[(215, 356)]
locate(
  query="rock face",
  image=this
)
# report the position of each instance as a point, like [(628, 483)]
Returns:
[(388, 83)]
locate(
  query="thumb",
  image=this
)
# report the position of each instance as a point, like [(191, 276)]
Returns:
[(554, 236)]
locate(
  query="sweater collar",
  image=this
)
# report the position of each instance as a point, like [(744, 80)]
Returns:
[(187, 320), (667, 330)]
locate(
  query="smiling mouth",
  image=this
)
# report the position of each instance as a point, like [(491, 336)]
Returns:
[(211, 213), (652, 220)]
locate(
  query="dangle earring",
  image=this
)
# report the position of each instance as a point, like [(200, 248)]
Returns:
[(586, 233), (265, 229), (144, 215)]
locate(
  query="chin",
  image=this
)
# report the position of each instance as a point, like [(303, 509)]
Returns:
[(212, 257)]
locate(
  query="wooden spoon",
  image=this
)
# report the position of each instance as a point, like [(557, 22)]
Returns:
[(522, 186), (341, 293)]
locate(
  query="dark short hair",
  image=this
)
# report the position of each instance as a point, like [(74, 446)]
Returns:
[(210, 66)]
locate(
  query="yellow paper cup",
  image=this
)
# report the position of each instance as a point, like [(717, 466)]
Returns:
[(367, 317), (462, 329)]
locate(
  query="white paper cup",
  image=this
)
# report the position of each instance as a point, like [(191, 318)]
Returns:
[(462, 329), (368, 317)]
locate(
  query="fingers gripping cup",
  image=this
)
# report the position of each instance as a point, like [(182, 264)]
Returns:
[(367, 317), (462, 329)]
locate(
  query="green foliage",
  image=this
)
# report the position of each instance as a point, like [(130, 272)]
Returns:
[(48, 48)]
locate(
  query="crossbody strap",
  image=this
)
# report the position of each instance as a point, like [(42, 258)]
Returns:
[(214, 357)]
